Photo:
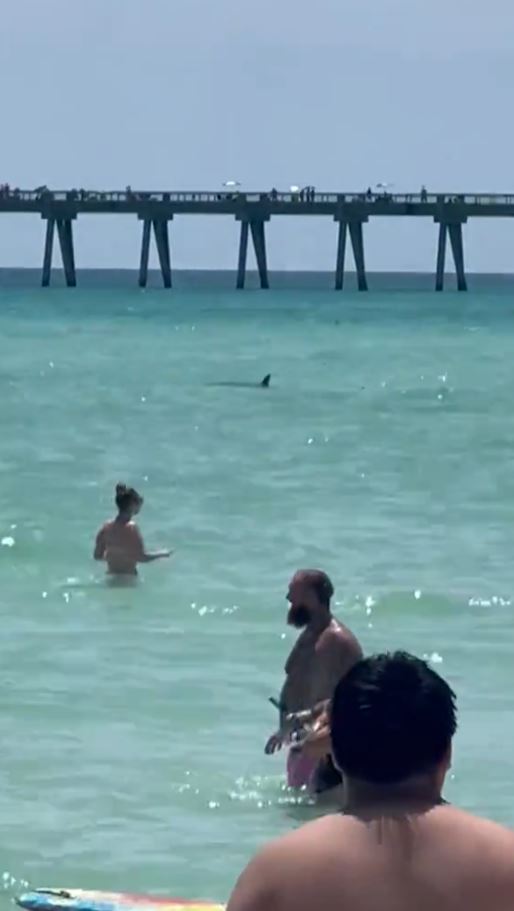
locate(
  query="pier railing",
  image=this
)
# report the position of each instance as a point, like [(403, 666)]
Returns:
[(213, 196)]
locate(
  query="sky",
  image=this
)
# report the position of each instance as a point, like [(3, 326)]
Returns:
[(186, 94)]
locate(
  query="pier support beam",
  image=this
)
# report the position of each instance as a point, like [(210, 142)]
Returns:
[(455, 231), (49, 247), (353, 226), (162, 243), (145, 253), (341, 252), (65, 233), (357, 239), (243, 251), (259, 244), (160, 230), (255, 227), (441, 256)]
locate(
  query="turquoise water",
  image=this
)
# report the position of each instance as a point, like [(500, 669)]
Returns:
[(133, 720)]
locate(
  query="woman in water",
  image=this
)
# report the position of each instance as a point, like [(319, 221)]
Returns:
[(119, 542)]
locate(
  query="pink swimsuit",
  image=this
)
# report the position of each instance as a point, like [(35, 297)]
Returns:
[(301, 769)]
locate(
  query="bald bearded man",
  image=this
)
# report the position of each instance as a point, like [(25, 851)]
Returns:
[(324, 652)]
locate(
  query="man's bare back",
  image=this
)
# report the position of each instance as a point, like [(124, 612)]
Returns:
[(439, 860), (398, 846)]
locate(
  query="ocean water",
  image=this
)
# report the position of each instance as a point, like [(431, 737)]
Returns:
[(133, 720)]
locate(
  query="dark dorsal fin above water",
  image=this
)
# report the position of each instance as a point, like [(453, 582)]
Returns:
[(264, 383)]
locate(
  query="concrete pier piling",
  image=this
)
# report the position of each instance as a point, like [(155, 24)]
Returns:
[(259, 245), (255, 227), (354, 228), (243, 253), (453, 230), (160, 230), (341, 252), (162, 243), (357, 239), (65, 235), (60, 208), (49, 247), (441, 257), (145, 252)]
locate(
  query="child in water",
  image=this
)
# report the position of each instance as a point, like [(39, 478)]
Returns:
[(119, 542)]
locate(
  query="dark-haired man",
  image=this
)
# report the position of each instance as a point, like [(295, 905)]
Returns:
[(398, 845), (323, 653)]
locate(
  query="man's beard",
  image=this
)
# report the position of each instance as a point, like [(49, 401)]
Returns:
[(298, 616)]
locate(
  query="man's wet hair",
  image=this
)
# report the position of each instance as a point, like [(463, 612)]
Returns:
[(392, 718), (125, 497), (320, 584)]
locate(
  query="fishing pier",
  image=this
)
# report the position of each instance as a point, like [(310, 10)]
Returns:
[(350, 212)]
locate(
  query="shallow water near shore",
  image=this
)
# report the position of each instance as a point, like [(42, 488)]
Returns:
[(134, 718)]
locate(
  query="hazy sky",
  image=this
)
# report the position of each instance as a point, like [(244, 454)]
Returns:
[(185, 94)]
